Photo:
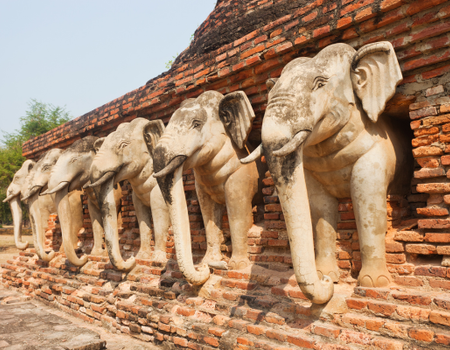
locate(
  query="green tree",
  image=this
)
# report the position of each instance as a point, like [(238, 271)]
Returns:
[(38, 119)]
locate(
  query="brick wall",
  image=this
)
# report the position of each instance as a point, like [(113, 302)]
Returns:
[(238, 47)]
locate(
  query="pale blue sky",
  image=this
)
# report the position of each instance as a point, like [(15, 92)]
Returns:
[(82, 54)]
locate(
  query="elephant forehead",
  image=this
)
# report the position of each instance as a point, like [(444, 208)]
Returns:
[(184, 116), (119, 136)]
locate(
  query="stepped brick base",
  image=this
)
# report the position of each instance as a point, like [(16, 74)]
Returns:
[(255, 308)]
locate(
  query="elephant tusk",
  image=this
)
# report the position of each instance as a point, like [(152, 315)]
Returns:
[(173, 164), (293, 144), (62, 185), (257, 153), (33, 191), (106, 176), (7, 199)]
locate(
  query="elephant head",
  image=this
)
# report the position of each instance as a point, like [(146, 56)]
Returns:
[(70, 173), (36, 181), (209, 134), (313, 107), (13, 193), (123, 155)]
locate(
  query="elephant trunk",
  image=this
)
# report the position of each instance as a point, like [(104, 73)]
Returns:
[(288, 174), (106, 200), (16, 211), (65, 219), (172, 188), (37, 222)]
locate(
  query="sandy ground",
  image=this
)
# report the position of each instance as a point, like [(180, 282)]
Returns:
[(7, 246)]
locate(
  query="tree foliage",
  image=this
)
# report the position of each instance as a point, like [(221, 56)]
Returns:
[(39, 118)]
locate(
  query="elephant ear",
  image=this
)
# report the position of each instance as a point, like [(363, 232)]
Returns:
[(98, 143), (29, 163), (236, 113), (152, 132), (375, 74)]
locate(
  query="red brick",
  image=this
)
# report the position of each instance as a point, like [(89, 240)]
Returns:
[(238, 324), (252, 51), (180, 341), (257, 330), (442, 339), (356, 303), (429, 162), (408, 281), (440, 317), (421, 334), (385, 344), (434, 223), (326, 331), (384, 309), (424, 249), (439, 284), (387, 5), (433, 188), (276, 334), (432, 211), (302, 341), (211, 341), (437, 237), (321, 31)]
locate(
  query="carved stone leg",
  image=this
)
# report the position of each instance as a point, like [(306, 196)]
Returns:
[(238, 197), (368, 191), (212, 213), (324, 215)]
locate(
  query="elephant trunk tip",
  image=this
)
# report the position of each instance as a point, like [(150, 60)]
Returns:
[(47, 257), (78, 262), (21, 245), (122, 265), (320, 292), (201, 276)]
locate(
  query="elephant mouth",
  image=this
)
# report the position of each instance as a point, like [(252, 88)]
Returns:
[(61, 185), (294, 143), (35, 189), (174, 164)]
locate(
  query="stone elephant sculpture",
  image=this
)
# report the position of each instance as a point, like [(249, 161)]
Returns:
[(70, 173), (14, 193), (324, 138), (123, 155), (42, 206), (209, 134)]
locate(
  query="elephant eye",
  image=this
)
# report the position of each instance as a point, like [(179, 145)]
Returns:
[(196, 124), (73, 160), (123, 144), (319, 82), (45, 167)]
